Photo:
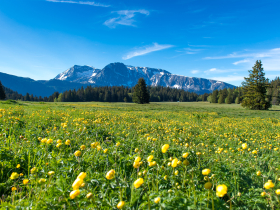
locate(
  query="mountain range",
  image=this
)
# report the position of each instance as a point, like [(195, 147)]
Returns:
[(114, 74)]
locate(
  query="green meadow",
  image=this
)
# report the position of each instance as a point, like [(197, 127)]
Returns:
[(173, 155)]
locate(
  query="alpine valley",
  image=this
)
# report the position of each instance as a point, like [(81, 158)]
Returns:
[(114, 74)]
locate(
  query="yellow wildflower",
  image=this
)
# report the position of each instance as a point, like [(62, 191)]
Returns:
[(221, 190)]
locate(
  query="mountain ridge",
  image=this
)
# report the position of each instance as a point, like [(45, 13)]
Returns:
[(113, 74), (117, 74)]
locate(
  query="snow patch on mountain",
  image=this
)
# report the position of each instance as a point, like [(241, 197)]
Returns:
[(85, 73), (177, 86), (62, 77)]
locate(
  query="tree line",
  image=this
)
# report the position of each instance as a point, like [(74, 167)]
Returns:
[(256, 92), (123, 94), (236, 95), (109, 94), (273, 91), (7, 93), (226, 95)]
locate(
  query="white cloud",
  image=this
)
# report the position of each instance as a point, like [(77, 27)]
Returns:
[(241, 61), (270, 58), (262, 54), (195, 71), (271, 64), (215, 70), (229, 78), (80, 2), (125, 18), (146, 50), (192, 51)]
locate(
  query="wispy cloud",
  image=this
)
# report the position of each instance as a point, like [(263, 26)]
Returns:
[(270, 58), (146, 50), (192, 50), (262, 54), (125, 17), (242, 61), (195, 71), (214, 22), (91, 3), (215, 70), (229, 78), (271, 64)]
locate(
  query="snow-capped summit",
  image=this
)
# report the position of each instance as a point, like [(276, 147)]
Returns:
[(80, 74), (117, 74)]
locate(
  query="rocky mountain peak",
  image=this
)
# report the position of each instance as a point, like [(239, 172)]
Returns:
[(119, 74)]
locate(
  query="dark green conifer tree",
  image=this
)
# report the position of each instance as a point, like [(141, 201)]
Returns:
[(214, 98), (2, 92), (141, 94), (222, 96), (254, 87), (229, 97), (237, 100)]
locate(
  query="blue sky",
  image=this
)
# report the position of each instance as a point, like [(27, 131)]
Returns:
[(218, 39)]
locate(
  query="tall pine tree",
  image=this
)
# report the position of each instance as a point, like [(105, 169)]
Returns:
[(141, 94), (214, 98), (229, 97), (254, 87), (2, 92)]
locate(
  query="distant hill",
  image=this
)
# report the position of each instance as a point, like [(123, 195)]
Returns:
[(38, 88), (10, 94)]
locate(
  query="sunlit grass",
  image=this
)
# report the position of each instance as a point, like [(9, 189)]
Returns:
[(160, 155)]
